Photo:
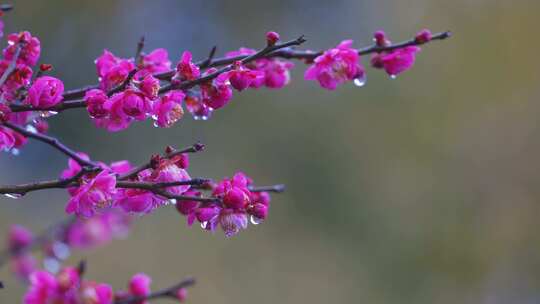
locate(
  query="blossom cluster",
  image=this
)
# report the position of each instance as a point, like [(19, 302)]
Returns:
[(236, 205), (69, 287), (150, 86), (78, 233), (230, 206)]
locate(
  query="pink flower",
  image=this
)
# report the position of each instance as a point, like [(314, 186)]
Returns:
[(149, 86), (68, 278), (186, 69), (95, 100), (236, 198), (336, 66), (139, 286), (96, 293), (216, 93), (168, 171), (20, 77), (397, 61), (98, 230), (189, 208), (30, 51), (272, 38), (276, 73), (121, 167), (19, 237), (156, 62), (168, 109), (22, 265), (241, 78), (197, 108), (181, 294), (7, 139), (116, 119), (93, 195), (132, 103), (232, 222), (112, 71), (43, 289), (137, 201), (45, 92)]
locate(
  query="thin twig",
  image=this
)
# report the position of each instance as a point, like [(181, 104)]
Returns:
[(169, 292), (275, 188), (191, 149), (72, 98), (53, 142)]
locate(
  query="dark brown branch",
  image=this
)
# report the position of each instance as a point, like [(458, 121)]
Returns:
[(258, 55), (53, 142), (191, 149), (72, 98), (275, 188), (169, 292)]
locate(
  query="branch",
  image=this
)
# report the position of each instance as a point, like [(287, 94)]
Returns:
[(169, 292), (72, 98), (191, 149), (267, 50), (275, 188), (53, 142)]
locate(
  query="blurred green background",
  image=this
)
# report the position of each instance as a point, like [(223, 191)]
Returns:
[(423, 189)]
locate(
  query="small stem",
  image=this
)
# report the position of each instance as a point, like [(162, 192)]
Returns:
[(169, 292), (72, 98), (191, 149), (274, 188), (53, 142)]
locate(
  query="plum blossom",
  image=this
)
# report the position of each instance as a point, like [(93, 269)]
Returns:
[(275, 71), (139, 286), (217, 92), (155, 62), (95, 101), (93, 195), (336, 66), (66, 287), (241, 78), (45, 92), (198, 109), (112, 70), (397, 61), (30, 51), (186, 69), (98, 230), (168, 109)]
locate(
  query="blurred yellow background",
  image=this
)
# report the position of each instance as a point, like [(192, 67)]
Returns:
[(423, 189)]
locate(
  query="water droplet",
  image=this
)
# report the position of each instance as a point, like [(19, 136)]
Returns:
[(15, 151), (172, 201), (360, 81), (204, 225), (45, 114), (155, 124), (61, 250), (13, 195), (51, 264), (393, 76), (31, 128), (255, 220)]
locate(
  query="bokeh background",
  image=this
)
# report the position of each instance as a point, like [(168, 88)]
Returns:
[(423, 189)]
